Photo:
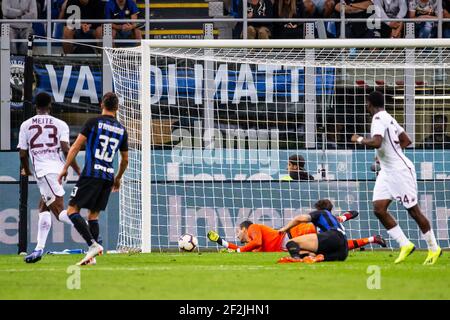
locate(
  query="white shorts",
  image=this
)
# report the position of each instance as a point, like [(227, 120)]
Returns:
[(50, 188), (398, 185)]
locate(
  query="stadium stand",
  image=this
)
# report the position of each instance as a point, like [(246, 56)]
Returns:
[(175, 9)]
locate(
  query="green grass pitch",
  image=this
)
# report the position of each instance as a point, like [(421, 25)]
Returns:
[(193, 276)]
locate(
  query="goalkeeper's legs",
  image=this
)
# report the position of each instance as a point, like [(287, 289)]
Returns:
[(406, 247), (434, 251)]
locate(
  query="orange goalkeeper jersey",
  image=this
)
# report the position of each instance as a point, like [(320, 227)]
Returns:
[(265, 239)]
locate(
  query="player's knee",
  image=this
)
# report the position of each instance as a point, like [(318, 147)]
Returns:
[(49, 200), (379, 210), (379, 213), (93, 215), (58, 205)]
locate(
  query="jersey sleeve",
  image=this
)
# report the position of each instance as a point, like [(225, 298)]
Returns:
[(23, 143), (124, 144), (65, 132), (133, 7), (108, 10), (255, 235), (378, 128), (88, 127), (232, 246), (315, 215)]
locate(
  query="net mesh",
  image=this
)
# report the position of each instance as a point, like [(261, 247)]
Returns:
[(226, 121)]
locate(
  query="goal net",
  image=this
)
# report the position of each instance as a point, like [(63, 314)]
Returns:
[(212, 126)]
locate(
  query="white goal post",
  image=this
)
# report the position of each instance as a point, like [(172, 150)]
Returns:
[(201, 113)]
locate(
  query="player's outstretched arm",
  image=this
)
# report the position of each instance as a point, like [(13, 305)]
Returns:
[(302, 218), (71, 155), (214, 237), (374, 142), (65, 147)]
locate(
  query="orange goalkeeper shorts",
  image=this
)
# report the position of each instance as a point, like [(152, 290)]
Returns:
[(302, 229)]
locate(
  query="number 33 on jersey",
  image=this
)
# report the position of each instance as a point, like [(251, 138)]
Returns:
[(105, 135)]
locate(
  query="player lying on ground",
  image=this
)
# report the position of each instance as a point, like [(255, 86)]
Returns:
[(396, 179), (42, 138), (330, 244), (261, 238), (103, 136)]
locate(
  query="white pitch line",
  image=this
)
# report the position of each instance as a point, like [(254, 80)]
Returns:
[(150, 268), (224, 268), (208, 268)]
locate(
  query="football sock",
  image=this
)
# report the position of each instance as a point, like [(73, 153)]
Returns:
[(81, 226), (63, 217), (358, 243), (346, 216), (431, 240), (44, 225), (397, 234), (294, 249), (94, 228)]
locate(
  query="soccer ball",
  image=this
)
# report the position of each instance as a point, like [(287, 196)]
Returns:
[(187, 242)]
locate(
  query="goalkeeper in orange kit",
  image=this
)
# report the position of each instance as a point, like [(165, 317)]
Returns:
[(261, 238)]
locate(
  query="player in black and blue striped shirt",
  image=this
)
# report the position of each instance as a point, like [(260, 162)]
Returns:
[(329, 244), (103, 137)]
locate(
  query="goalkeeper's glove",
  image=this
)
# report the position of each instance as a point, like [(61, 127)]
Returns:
[(214, 237), (226, 250)]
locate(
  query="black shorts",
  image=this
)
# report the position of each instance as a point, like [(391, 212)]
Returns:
[(91, 193), (333, 245)]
